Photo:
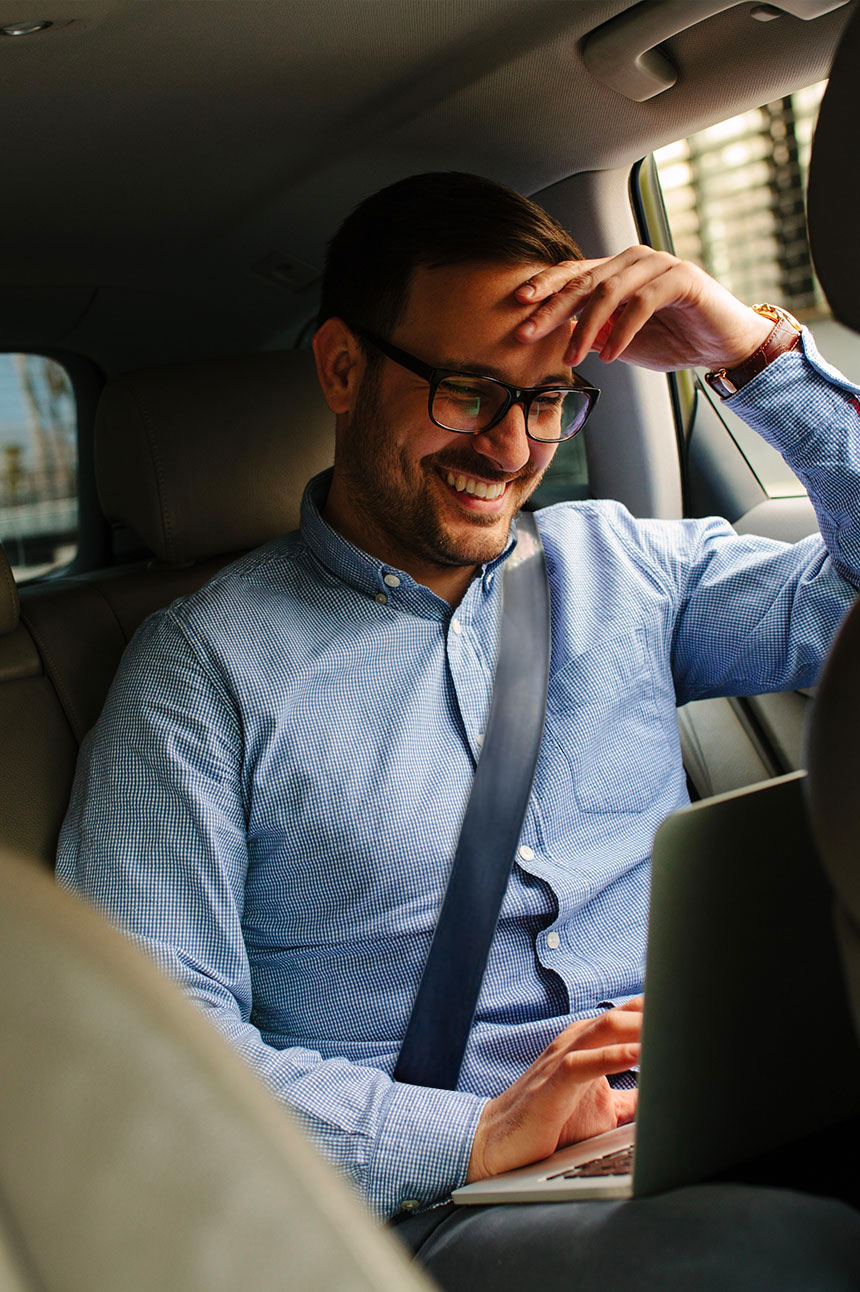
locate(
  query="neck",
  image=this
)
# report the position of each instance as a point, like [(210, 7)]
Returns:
[(448, 581)]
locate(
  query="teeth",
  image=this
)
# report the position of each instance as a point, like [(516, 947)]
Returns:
[(477, 488)]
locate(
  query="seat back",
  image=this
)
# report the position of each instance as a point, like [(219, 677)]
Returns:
[(38, 747), (137, 1150), (833, 747), (833, 755), (201, 461)]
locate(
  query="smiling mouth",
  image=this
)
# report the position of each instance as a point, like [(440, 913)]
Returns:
[(473, 486)]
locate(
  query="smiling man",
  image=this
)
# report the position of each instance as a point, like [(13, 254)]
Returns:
[(404, 487), (271, 800)]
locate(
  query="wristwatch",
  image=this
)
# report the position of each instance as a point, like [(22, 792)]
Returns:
[(784, 336)]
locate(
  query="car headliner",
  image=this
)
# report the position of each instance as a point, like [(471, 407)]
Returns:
[(205, 151)]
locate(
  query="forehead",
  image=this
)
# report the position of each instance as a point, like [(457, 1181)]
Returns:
[(468, 313)]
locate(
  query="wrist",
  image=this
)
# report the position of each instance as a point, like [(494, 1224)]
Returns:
[(477, 1169), (760, 328), (781, 332)]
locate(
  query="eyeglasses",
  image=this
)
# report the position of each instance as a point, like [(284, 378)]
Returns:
[(470, 403)]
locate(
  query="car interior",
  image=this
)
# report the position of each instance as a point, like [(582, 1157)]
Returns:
[(174, 171)]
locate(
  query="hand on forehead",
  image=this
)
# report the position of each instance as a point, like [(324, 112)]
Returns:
[(471, 312)]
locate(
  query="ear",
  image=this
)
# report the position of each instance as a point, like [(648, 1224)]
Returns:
[(340, 364)]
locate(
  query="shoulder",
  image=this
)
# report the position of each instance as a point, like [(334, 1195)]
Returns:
[(203, 628), (607, 518), (604, 532), (224, 602)]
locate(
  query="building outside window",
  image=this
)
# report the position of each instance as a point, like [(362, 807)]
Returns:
[(38, 465)]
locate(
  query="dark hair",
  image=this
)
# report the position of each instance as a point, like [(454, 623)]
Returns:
[(435, 219)]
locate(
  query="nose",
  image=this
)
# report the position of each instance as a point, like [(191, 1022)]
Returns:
[(506, 446)]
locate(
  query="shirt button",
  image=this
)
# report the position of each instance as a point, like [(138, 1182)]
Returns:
[(480, 737), (392, 580), (490, 578), (552, 940), (525, 853), (381, 598), (457, 626), (409, 1204)]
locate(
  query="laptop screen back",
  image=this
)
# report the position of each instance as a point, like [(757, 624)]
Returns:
[(748, 1042)]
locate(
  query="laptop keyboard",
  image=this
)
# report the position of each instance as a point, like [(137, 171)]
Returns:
[(620, 1163)]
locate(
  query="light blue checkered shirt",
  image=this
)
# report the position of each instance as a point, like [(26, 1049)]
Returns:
[(271, 799)]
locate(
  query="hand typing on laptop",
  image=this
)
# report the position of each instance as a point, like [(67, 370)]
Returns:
[(563, 1096)]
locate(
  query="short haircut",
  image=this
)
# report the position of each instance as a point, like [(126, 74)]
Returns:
[(430, 220)]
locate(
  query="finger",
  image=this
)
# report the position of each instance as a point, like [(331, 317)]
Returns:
[(621, 1021), (613, 1026), (607, 303), (647, 301), (626, 1102), (550, 280), (586, 1065), (574, 283)]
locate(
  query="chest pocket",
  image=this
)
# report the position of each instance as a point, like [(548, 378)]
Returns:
[(603, 717)]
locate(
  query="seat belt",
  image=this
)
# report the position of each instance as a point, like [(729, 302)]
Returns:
[(444, 1009)]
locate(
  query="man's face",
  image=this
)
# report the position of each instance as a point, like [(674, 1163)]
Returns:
[(406, 480)]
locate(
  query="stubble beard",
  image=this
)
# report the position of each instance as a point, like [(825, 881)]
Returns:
[(394, 497)]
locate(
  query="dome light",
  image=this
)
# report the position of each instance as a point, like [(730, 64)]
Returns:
[(25, 28)]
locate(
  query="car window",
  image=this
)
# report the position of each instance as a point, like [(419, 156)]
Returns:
[(38, 464), (567, 476), (734, 198)]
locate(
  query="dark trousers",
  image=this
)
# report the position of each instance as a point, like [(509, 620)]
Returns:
[(705, 1238), (745, 1233)]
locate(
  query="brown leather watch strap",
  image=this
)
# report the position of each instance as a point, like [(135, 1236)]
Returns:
[(784, 336)]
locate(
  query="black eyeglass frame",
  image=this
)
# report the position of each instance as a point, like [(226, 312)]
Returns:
[(522, 395)]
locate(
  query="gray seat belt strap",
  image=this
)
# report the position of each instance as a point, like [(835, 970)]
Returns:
[(444, 1008)]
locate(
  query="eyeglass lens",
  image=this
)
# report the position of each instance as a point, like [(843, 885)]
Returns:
[(466, 403)]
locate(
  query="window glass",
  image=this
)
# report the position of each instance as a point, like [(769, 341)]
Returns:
[(734, 197), (735, 202), (567, 476), (38, 464)]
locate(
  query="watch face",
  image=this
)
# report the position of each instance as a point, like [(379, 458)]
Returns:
[(776, 312), (721, 384)]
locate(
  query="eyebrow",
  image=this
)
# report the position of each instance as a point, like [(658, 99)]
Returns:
[(490, 370)]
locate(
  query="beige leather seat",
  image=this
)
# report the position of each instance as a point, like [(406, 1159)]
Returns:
[(201, 461), (37, 746), (138, 1153)]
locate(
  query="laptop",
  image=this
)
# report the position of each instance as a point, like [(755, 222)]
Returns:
[(742, 976)]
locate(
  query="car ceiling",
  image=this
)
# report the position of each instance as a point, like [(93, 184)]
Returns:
[(173, 170)]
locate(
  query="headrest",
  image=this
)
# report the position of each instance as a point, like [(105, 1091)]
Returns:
[(834, 182), (9, 608), (211, 457), (150, 1155)]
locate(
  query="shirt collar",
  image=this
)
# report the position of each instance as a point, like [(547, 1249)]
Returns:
[(364, 572)]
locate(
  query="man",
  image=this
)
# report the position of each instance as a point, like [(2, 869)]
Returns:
[(271, 799)]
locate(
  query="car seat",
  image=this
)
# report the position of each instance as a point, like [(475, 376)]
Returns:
[(833, 748), (137, 1150)]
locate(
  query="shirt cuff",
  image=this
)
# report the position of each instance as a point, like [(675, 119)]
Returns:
[(803, 363), (422, 1148)]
